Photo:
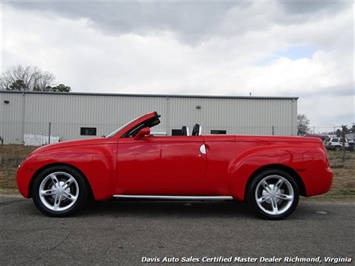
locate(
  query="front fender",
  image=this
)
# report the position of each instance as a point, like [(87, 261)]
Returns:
[(97, 163)]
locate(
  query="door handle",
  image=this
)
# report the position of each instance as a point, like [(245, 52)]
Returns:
[(203, 149)]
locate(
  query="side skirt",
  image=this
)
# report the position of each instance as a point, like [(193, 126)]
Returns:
[(162, 197)]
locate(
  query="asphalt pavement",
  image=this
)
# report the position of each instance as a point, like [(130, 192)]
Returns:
[(176, 233)]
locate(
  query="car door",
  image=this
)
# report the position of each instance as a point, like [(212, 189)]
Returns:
[(160, 165)]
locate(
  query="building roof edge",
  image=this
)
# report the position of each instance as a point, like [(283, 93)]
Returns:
[(152, 95)]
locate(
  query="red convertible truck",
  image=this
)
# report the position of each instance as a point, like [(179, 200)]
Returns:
[(268, 172)]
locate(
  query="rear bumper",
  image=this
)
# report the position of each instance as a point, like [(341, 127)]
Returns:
[(317, 181)]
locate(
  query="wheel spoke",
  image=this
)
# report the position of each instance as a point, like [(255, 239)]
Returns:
[(54, 179), (69, 196), (279, 183), (57, 201), (274, 206), (285, 197), (265, 185), (263, 198), (68, 183), (49, 192)]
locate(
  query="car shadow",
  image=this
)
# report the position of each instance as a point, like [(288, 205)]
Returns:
[(182, 209)]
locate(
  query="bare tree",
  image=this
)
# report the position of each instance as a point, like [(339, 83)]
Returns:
[(302, 124), (27, 78)]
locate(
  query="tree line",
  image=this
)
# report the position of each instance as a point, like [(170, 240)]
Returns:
[(29, 78), (303, 127)]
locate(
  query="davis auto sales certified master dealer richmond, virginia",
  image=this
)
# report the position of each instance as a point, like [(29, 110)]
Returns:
[(236, 259)]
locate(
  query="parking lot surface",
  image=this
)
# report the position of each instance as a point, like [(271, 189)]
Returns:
[(176, 233)]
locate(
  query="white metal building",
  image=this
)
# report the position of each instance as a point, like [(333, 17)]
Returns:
[(84, 115)]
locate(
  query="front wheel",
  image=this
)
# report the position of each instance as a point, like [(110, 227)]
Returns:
[(273, 194), (59, 191)]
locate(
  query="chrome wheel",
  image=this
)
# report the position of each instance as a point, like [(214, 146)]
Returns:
[(273, 194), (59, 191)]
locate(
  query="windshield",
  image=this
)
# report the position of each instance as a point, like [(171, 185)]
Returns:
[(120, 128), (151, 122), (147, 123)]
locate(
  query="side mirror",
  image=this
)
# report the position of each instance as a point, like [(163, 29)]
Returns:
[(142, 133)]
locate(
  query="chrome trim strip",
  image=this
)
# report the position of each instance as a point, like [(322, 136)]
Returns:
[(174, 197)]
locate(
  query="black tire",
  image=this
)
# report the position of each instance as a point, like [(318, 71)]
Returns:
[(273, 194), (59, 191)]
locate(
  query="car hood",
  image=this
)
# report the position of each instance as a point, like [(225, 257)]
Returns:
[(72, 143)]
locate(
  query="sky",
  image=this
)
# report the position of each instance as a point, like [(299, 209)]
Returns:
[(286, 48)]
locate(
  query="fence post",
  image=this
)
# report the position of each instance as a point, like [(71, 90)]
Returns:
[(50, 132)]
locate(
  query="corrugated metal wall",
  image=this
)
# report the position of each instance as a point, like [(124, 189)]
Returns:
[(31, 113), (238, 115), (12, 113)]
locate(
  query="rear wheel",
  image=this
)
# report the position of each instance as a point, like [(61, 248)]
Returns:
[(273, 194), (59, 191)]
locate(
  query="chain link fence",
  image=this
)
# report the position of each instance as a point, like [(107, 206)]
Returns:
[(38, 134)]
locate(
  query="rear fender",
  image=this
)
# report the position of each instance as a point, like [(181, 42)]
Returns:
[(244, 166)]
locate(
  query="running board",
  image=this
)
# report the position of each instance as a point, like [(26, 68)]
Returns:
[(173, 197)]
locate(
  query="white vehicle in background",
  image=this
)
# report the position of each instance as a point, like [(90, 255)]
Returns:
[(336, 144)]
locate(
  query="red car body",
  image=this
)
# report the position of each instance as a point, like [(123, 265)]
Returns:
[(132, 163)]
